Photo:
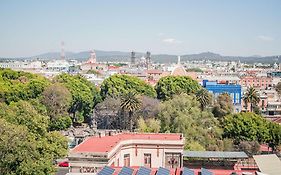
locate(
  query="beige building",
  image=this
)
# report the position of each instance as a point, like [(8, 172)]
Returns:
[(128, 149)]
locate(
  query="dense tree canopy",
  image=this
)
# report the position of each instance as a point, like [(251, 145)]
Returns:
[(110, 115), (84, 96), (57, 100), (223, 106), (182, 114), (149, 125), (252, 128), (168, 86), (17, 85), (23, 113), (26, 146), (246, 127), (120, 84)]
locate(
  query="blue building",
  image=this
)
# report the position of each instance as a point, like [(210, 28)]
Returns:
[(234, 90)]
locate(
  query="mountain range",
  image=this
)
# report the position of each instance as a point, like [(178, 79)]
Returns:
[(104, 56)]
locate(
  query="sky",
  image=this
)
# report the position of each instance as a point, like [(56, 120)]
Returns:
[(238, 27)]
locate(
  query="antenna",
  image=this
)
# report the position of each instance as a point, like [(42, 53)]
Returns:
[(62, 54)]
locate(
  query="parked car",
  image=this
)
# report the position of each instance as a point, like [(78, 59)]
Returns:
[(64, 164)]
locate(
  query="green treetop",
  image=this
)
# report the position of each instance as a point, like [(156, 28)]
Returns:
[(168, 86), (120, 84)]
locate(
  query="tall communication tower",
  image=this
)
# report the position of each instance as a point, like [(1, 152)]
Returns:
[(133, 58), (62, 54)]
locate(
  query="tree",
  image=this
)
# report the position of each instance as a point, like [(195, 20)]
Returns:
[(246, 127), (182, 114), (223, 106), (57, 100), (251, 96), (18, 154), (109, 114), (194, 146), (84, 96), (92, 71), (17, 85), (60, 123), (275, 135), (150, 125), (168, 86), (26, 146), (204, 98), (130, 103), (23, 113), (249, 147), (149, 108), (118, 84)]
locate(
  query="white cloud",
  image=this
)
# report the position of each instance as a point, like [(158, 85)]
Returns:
[(161, 34), (265, 38), (171, 41)]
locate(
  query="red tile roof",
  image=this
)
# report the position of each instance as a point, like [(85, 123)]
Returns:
[(107, 143)]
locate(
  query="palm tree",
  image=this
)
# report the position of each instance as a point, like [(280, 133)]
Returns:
[(204, 98), (251, 96), (130, 102)]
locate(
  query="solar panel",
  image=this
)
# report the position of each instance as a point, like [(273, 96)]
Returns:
[(205, 172), (144, 171), (106, 171), (126, 171), (163, 171), (187, 171)]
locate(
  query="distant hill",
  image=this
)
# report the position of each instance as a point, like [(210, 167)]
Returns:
[(162, 58), (84, 55)]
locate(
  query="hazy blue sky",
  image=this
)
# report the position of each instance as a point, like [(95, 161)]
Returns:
[(237, 27)]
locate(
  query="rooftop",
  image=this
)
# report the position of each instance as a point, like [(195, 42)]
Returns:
[(214, 154), (107, 143)]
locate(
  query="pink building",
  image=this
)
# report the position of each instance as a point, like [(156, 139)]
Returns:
[(258, 82), (128, 149)]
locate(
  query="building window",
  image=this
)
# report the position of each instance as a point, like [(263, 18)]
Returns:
[(147, 160), (127, 160), (172, 160)]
